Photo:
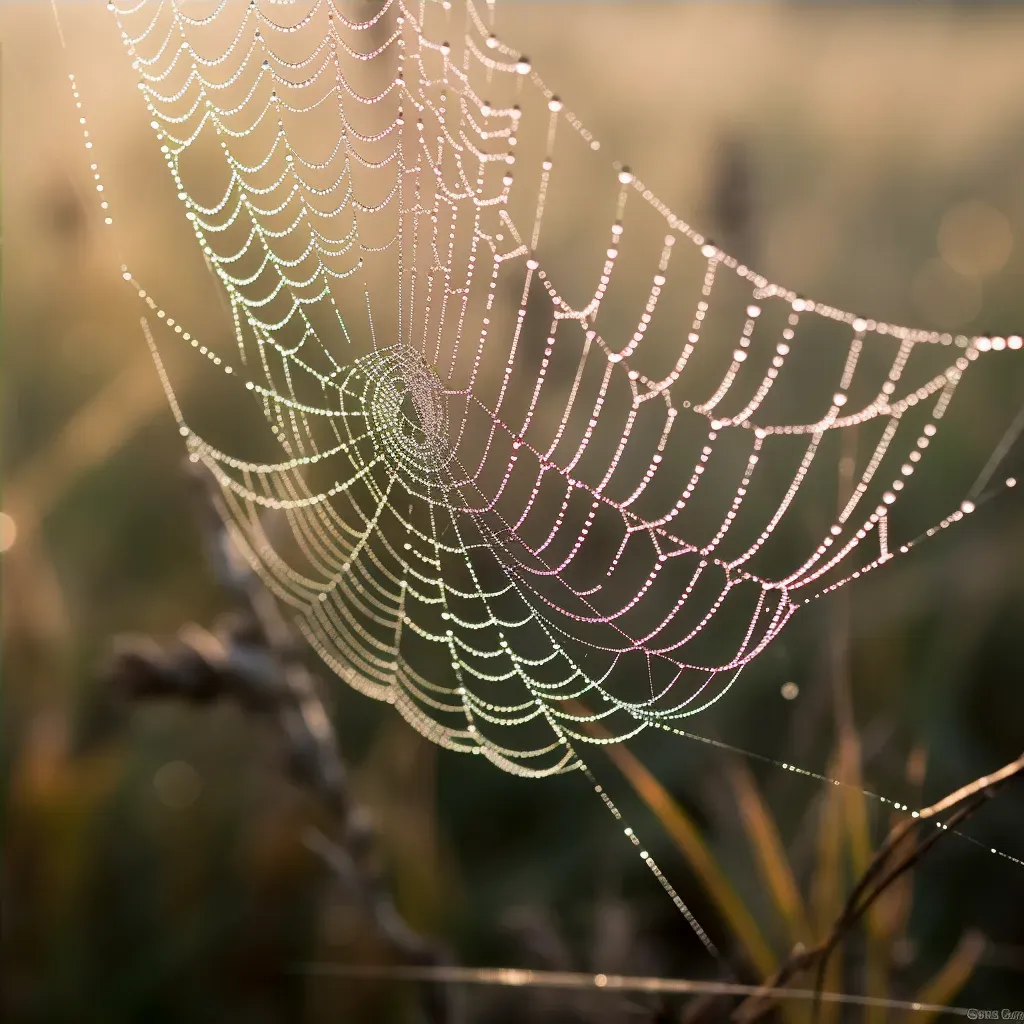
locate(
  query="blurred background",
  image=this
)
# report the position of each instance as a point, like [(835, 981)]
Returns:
[(154, 866)]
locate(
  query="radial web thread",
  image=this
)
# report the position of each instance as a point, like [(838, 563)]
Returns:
[(538, 454), (436, 420)]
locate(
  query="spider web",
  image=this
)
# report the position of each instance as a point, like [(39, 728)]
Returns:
[(532, 460)]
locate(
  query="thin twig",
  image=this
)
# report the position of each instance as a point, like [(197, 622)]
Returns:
[(857, 912), (510, 977), (877, 877)]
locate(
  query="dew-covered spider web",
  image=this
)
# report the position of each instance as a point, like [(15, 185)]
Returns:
[(529, 457)]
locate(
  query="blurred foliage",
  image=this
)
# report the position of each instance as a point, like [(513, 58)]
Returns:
[(844, 137), (843, 855)]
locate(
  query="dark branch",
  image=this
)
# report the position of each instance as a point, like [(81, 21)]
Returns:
[(890, 862), (254, 658)]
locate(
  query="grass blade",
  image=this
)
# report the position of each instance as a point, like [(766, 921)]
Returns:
[(858, 835), (770, 854), (684, 833), (828, 883), (952, 976)]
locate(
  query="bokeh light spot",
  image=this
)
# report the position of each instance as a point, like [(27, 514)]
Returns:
[(177, 785), (975, 238), (8, 532), (946, 297)]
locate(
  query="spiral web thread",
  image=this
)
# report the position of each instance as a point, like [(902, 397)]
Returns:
[(399, 426), (514, 501)]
